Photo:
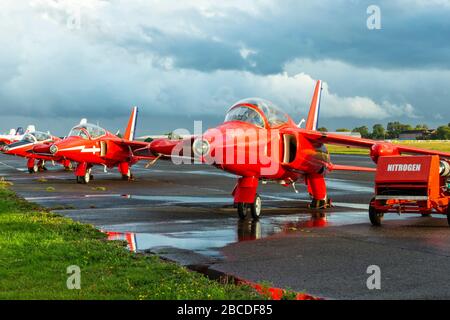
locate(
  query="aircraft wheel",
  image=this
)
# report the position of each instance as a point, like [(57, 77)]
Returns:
[(86, 178), (256, 207), (242, 210), (375, 217), (33, 169), (128, 176)]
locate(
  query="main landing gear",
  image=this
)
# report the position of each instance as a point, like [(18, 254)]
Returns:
[(128, 176), (254, 208), (125, 171)]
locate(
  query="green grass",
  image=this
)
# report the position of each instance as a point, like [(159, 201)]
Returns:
[(36, 247), (425, 144)]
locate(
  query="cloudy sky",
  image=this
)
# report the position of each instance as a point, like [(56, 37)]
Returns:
[(180, 61)]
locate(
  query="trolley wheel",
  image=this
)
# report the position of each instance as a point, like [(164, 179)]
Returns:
[(375, 217), (448, 215)]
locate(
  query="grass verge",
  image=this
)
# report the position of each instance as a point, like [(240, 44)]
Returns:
[(423, 144), (37, 247)]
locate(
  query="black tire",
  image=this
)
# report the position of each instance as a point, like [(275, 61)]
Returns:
[(69, 167), (33, 169), (128, 176), (375, 217), (256, 207), (448, 215), (242, 210), (425, 215), (86, 178)]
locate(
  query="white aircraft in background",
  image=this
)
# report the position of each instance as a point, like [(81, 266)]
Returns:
[(15, 135)]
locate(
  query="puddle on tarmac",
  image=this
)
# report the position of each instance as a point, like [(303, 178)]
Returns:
[(207, 240), (338, 184)]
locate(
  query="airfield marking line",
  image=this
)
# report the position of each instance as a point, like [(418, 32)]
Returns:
[(7, 165)]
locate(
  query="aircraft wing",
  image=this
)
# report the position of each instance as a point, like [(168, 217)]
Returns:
[(132, 144), (165, 147), (138, 149), (330, 138)]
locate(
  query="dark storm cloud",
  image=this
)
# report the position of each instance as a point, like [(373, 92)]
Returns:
[(411, 36), (192, 59)]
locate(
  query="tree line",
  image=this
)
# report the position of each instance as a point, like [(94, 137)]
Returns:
[(393, 130)]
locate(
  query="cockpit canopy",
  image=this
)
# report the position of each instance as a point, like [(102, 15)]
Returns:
[(86, 131), (36, 136), (241, 112)]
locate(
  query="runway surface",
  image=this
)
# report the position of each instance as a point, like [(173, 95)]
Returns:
[(185, 213)]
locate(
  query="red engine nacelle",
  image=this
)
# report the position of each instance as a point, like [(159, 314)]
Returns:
[(383, 150)]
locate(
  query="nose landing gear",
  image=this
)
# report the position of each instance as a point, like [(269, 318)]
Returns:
[(83, 173), (86, 178), (255, 208)]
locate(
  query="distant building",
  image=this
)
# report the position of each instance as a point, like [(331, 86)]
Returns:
[(415, 134)]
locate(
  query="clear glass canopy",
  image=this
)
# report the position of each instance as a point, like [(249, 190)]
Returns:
[(87, 130), (275, 117), (36, 136)]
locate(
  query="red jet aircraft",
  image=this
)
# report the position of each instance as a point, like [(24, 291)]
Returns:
[(24, 147), (259, 142), (89, 145)]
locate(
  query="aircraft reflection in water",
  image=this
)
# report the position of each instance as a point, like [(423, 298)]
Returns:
[(246, 230), (129, 237)]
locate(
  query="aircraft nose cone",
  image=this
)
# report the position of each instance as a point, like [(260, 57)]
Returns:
[(41, 149)]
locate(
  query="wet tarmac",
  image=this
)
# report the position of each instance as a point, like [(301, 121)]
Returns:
[(185, 213)]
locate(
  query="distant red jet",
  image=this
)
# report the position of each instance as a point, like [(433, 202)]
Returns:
[(259, 142), (24, 147), (15, 135), (89, 145)]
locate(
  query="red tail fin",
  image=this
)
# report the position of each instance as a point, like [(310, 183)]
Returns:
[(313, 116), (129, 132)]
